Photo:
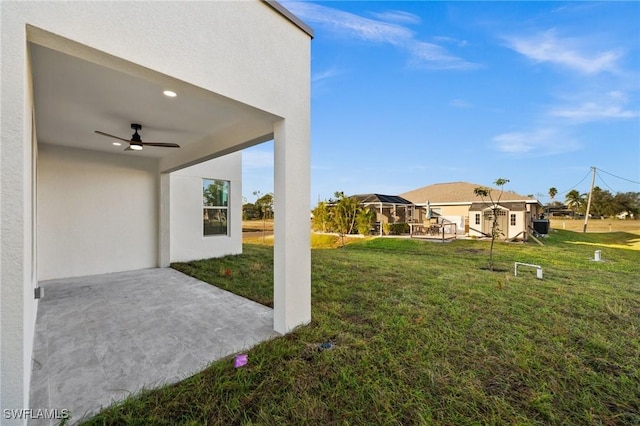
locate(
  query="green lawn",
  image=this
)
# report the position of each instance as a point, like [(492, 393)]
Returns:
[(424, 334)]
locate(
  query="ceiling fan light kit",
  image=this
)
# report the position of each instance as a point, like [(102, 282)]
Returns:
[(135, 143)]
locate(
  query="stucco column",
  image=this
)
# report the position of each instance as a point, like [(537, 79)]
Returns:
[(17, 276), (292, 252), (164, 221)]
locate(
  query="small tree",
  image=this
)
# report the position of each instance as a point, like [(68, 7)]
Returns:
[(321, 217), (344, 214), (364, 219), (485, 193), (250, 211), (264, 203)]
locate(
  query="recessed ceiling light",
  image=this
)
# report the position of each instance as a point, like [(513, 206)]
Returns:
[(117, 143), (170, 93)]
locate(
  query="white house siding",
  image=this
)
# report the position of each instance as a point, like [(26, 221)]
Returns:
[(245, 51), (96, 212), (519, 226), (187, 240)]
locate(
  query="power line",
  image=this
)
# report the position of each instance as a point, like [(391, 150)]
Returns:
[(611, 174), (581, 180), (605, 183)]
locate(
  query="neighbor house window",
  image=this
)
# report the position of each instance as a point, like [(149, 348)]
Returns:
[(477, 218), (215, 211), (512, 219)]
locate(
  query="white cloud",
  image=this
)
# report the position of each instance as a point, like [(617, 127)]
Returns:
[(460, 103), (537, 143), (451, 40), (378, 31), (326, 74), (437, 57), (398, 16), (611, 105), (350, 24), (592, 111), (568, 52)]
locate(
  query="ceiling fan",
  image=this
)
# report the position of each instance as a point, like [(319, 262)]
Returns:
[(135, 143)]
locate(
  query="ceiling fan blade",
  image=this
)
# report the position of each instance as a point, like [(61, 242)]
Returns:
[(128, 148), (162, 144), (111, 136)]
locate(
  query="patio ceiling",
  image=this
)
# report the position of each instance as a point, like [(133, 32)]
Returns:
[(73, 97)]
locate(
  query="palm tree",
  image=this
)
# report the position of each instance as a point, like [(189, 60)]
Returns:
[(575, 201), (552, 193)]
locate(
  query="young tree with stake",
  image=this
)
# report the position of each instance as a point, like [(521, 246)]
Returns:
[(485, 193)]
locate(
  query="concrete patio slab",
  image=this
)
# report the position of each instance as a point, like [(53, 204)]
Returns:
[(102, 338)]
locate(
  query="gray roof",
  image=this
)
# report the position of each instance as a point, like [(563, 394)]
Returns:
[(380, 198), (511, 206)]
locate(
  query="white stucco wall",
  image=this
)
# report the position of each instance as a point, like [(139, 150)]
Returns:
[(257, 57), (97, 212), (187, 240), (17, 210)]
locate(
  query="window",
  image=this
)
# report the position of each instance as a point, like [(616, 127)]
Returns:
[(477, 218), (488, 213), (512, 219), (215, 201)]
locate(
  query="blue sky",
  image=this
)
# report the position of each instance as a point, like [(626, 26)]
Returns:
[(407, 94)]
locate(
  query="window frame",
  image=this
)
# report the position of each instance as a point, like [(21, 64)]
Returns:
[(512, 219), (220, 207)]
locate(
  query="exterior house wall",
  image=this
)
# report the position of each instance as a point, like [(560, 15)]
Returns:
[(453, 210), (520, 225), (187, 240), (452, 213), (18, 152), (258, 58), (84, 228), (510, 231), (473, 226), (444, 210)]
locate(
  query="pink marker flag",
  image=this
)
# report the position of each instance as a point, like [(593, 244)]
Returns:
[(240, 360)]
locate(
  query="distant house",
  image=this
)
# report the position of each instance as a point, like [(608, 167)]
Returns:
[(388, 209), (456, 202)]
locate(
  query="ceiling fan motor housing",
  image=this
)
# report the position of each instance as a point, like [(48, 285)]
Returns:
[(136, 137)]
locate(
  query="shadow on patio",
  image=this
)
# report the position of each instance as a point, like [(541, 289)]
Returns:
[(101, 338)]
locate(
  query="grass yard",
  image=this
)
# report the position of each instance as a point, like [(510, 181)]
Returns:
[(257, 225), (424, 335)]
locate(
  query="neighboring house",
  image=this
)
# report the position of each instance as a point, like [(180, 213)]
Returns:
[(388, 209), (75, 204), (625, 215), (558, 209), (456, 202)]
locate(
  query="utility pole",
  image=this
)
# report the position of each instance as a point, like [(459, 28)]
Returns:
[(586, 217)]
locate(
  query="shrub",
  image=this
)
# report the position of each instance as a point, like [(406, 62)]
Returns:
[(395, 228)]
